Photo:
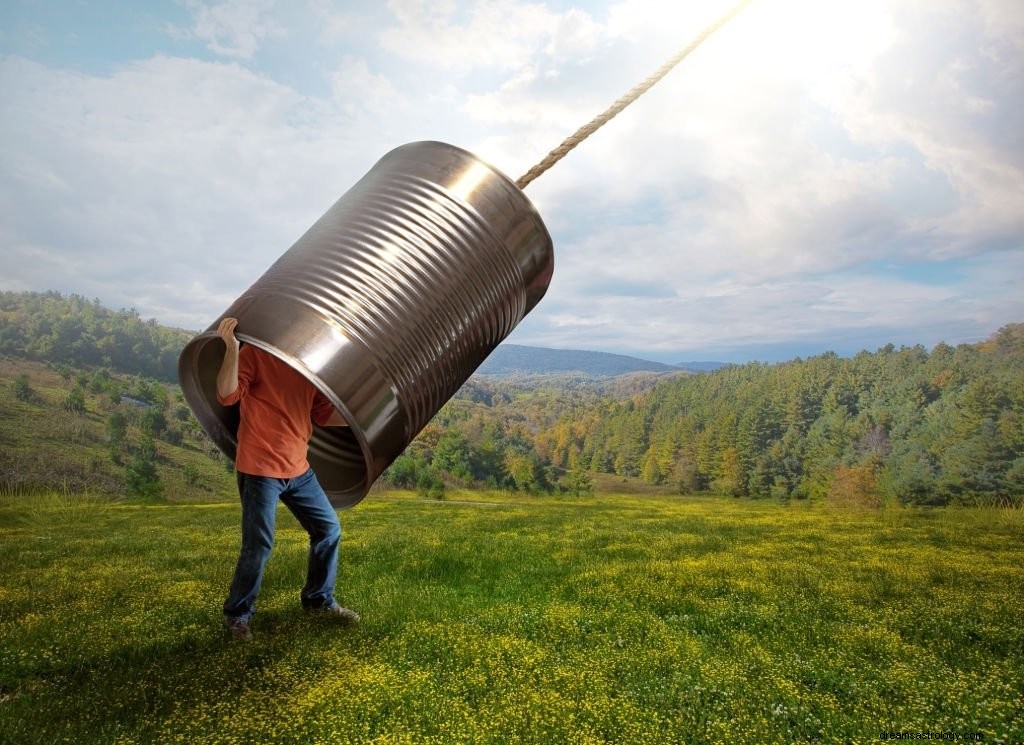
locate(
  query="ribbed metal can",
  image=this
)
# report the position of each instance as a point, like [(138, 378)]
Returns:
[(387, 304)]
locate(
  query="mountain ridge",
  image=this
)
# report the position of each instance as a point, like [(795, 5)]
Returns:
[(512, 360)]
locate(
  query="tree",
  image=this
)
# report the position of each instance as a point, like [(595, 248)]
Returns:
[(404, 471), (909, 475), (1015, 483), (430, 484), (101, 381), (23, 390), (451, 455), (191, 475), (687, 478), (117, 428), (854, 486), (75, 401), (650, 472), (730, 478), (141, 476), (975, 467), (525, 472), (153, 422), (578, 481)]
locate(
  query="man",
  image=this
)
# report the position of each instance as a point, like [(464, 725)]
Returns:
[(278, 407)]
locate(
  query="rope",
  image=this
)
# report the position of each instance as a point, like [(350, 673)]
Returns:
[(599, 121)]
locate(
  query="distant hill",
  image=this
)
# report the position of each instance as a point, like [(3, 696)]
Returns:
[(702, 366), (513, 360)]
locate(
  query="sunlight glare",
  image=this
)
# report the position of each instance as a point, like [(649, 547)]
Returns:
[(809, 39), (803, 39)]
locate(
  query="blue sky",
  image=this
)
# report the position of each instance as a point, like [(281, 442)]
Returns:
[(818, 176)]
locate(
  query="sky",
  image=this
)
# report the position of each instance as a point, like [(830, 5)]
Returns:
[(818, 176)]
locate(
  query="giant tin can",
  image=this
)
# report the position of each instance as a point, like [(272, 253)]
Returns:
[(387, 304)]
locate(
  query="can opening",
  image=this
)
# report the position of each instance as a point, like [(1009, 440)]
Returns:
[(335, 453)]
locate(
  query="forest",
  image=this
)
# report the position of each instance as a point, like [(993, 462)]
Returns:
[(75, 331), (939, 427), (902, 425)]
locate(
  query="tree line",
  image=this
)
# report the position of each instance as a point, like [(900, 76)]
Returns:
[(939, 427), (902, 425), (81, 333), (907, 425)]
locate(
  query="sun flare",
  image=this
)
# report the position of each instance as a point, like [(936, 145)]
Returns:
[(802, 38)]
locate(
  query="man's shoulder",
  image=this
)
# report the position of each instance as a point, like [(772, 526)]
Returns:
[(271, 367), (261, 356), (255, 362)]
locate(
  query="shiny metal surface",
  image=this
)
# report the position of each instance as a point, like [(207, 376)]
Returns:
[(387, 304)]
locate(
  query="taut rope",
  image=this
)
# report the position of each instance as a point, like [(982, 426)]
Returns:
[(588, 129)]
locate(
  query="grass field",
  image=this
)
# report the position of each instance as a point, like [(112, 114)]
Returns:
[(488, 619)]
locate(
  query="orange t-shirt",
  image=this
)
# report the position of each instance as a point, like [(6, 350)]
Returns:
[(278, 408)]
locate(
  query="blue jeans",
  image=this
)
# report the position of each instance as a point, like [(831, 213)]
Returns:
[(307, 501)]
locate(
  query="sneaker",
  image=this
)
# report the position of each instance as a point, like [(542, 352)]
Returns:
[(238, 628), (338, 613)]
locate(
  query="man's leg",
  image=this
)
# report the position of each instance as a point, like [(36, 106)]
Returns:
[(259, 497), (307, 501)]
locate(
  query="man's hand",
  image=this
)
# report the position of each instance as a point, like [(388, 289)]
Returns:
[(226, 331)]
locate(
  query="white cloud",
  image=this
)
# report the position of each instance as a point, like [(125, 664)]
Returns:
[(746, 171), (234, 28), (840, 312), (949, 91), (335, 24), (500, 34), (359, 90), (163, 172)]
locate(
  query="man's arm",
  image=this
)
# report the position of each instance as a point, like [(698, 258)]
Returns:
[(227, 376)]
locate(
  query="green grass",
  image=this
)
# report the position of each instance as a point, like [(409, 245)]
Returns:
[(492, 619)]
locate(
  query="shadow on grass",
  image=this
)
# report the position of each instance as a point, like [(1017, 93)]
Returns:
[(133, 690)]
